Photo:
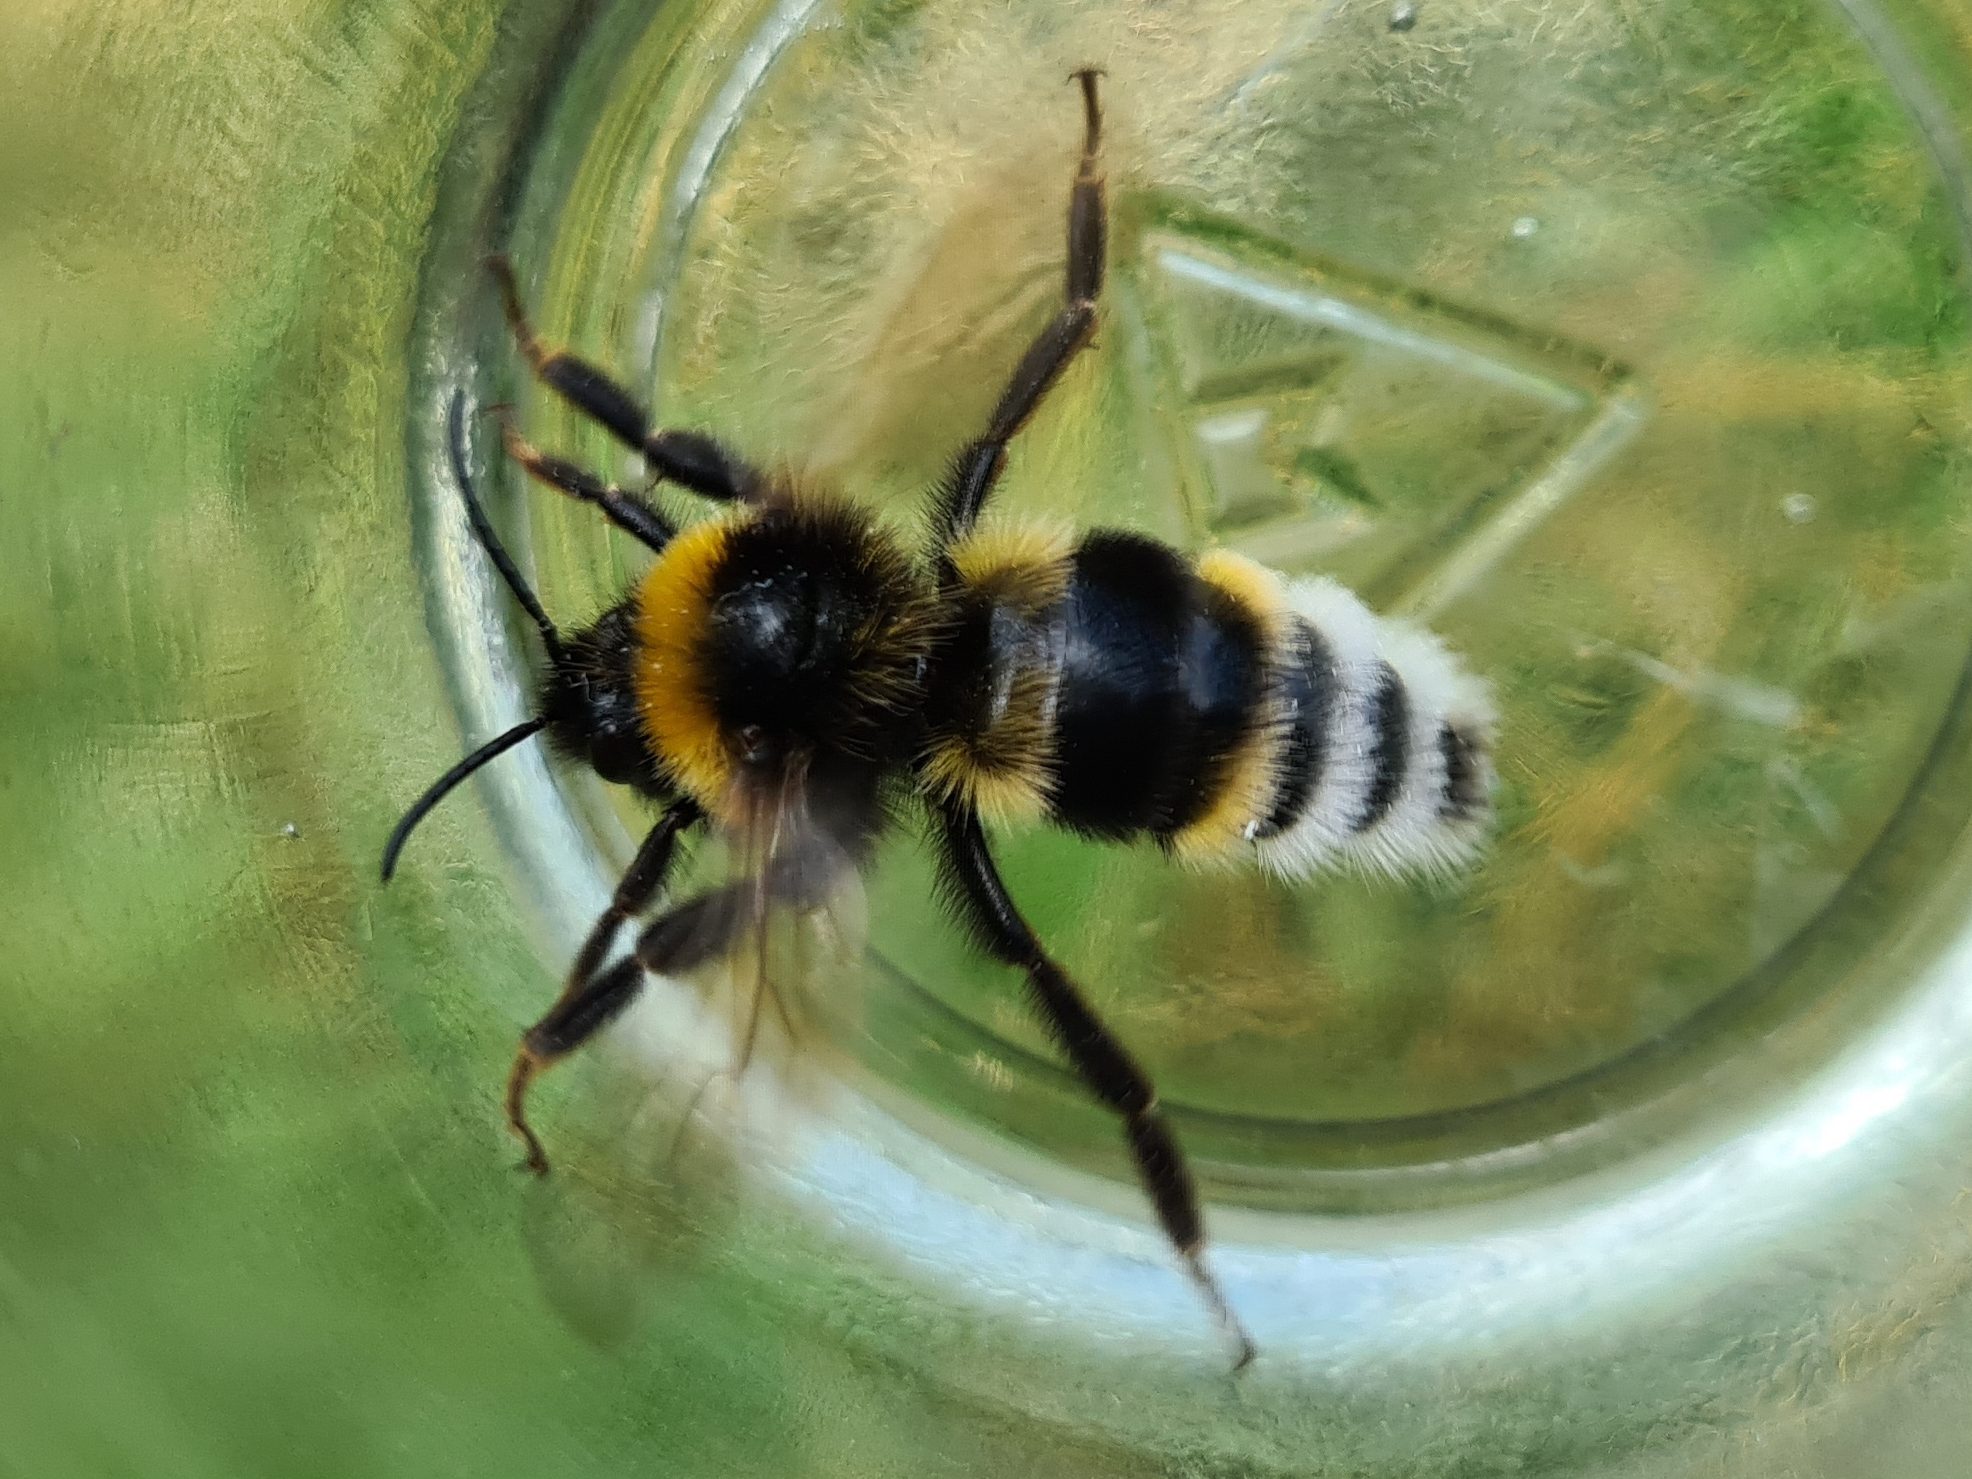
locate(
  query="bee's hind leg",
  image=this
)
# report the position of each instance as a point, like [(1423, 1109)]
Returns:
[(979, 465), (1102, 1063)]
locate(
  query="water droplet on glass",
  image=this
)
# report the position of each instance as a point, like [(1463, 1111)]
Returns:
[(1403, 15)]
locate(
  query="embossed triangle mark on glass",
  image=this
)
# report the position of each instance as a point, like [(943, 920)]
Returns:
[(1320, 417)]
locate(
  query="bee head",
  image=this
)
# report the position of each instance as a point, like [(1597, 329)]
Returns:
[(589, 700)]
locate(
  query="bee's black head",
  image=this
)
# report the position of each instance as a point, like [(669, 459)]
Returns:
[(589, 700)]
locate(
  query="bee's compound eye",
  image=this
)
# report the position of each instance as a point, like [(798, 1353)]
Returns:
[(754, 745)]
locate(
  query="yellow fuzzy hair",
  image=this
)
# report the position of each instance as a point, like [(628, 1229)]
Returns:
[(673, 606), (1022, 565), (1219, 835)]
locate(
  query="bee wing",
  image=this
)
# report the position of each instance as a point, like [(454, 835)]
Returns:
[(925, 351), (779, 922), (769, 928)]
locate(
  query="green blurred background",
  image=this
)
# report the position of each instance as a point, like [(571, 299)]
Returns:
[(256, 1215)]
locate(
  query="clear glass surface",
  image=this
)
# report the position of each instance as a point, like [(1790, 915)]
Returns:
[(1626, 344)]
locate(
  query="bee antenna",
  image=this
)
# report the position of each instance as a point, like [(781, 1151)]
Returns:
[(439, 789), (482, 529)]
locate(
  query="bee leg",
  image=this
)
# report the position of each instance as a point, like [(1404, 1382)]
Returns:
[(587, 1002), (640, 884), (626, 510), (1104, 1065), (978, 467), (681, 939), (568, 1024), (689, 458)]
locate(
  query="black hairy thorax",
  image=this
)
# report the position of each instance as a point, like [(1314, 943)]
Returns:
[(817, 635)]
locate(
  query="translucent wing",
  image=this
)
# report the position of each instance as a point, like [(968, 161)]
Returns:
[(768, 928), (922, 353), (771, 932)]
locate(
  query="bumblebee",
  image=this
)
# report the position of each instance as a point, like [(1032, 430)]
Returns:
[(786, 670)]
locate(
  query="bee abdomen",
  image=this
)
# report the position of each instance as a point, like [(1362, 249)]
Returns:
[(1383, 747), (1161, 702), (1117, 688)]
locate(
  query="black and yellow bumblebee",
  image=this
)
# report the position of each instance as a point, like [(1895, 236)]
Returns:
[(786, 670)]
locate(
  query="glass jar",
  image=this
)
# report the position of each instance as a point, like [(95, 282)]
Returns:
[(1623, 344)]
